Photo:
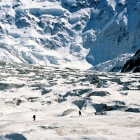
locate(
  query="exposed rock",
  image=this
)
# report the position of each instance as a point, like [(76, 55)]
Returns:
[(133, 64)]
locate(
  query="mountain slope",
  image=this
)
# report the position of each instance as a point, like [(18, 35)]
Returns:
[(133, 64), (68, 32)]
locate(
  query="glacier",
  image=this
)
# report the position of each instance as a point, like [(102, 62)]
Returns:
[(87, 34)]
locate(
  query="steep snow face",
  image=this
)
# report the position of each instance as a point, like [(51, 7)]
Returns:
[(41, 32), (69, 32), (116, 31)]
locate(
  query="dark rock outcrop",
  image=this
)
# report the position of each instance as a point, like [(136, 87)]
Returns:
[(133, 64)]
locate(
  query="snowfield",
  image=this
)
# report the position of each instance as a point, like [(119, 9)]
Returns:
[(55, 95)]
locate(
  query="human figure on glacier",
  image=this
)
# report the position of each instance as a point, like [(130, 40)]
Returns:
[(34, 117), (80, 114)]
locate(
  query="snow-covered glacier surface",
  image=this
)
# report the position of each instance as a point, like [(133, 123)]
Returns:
[(109, 103), (71, 33)]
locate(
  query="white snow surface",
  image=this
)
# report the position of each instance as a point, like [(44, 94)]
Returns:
[(70, 33), (55, 95)]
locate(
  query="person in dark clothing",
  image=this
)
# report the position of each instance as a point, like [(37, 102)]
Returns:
[(80, 114), (34, 117)]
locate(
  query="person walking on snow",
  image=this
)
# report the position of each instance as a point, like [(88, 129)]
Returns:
[(80, 114), (34, 117)]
